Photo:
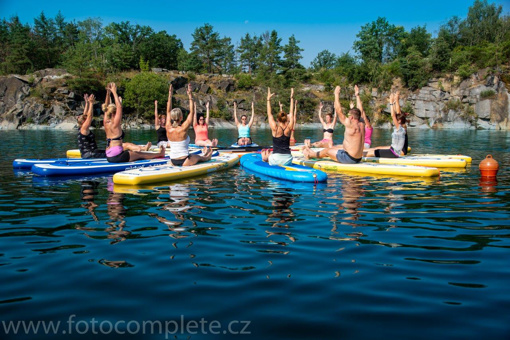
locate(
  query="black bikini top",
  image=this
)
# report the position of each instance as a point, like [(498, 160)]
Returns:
[(121, 137), (328, 130)]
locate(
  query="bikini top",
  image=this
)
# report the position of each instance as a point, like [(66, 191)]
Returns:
[(121, 137), (328, 130)]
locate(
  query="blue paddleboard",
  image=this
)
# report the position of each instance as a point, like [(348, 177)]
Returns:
[(294, 173)]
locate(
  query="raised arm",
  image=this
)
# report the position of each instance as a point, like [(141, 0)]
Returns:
[(108, 93), (195, 121), (169, 101), (396, 103), (252, 114), (359, 105), (270, 117), (235, 114), (291, 109), (392, 110), (156, 117), (292, 116), (118, 115), (192, 109), (207, 113), (320, 114), (338, 108)]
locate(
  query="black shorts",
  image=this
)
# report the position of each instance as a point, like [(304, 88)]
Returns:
[(385, 153), (122, 157), (94, 154), (179, 162)]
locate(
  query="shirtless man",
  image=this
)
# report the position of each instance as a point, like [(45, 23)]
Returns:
[(354, 136)]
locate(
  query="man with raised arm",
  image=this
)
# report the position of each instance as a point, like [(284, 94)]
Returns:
[(354, 135)]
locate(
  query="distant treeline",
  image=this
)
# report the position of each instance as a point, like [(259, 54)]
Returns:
[(382, 51)]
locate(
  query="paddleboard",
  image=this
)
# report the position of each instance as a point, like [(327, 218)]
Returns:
[(369, 168), (294, 173), (421, 161), (169, 172), (89, 168), (468, 159), (252, 145), (27, 163)]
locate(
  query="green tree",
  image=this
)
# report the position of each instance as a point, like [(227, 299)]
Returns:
[(379, 41), (188, 61), (162, 50), (482, 23), (270, 55), (45, 32), (21, 47), (129, 37), (249, 51), (142, 90), (292, 54), (414, 69), (207, 46), (324, 60), (419, 40)]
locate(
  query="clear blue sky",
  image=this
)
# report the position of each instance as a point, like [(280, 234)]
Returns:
[(318, 25)]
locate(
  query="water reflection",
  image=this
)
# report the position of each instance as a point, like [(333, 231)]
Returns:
[(117, 222), (281, 216), (88, 195), (178, 195)]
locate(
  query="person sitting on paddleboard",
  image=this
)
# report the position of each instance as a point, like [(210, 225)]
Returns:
[(398, 137), (351, 150), (281, 130), (328, 127), (160, 122), (178, 138), (201, 127), (86, 138), (116, 150), (244, 126)]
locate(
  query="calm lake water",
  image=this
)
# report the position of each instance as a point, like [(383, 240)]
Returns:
[(235, 255)]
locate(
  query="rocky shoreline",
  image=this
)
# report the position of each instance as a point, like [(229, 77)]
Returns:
[(43, 101)]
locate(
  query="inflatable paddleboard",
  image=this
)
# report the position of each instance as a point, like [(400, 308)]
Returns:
[(89, 168), (468, 159), (169, 172), (421, 161), (27, 163), (252, 145), (369, 168), (294, 173)]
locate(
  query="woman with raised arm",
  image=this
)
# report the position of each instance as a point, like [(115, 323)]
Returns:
[(160, 123), (328, 127), (281, 130), (178, 138), (86, 138), (396, 103), (368, 127), (397, 137), (201, 127), (244, 126), (116, 150)]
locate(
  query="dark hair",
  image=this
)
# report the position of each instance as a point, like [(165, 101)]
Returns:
[(401, 118), (244, 116), (356, 113), (200, 115), (282, 117)]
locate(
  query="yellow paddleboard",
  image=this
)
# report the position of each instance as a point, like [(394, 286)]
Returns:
[(169, 172), (421, 161), (370, 168)]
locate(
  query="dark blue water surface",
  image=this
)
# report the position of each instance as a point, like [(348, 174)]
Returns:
[(248, 257)]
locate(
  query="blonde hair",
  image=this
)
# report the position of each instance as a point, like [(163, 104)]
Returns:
[(175, 117), (81, 119), (282, 117), (108, 109)]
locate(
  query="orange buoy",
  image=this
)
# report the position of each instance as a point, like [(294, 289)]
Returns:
[(489, 167)]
